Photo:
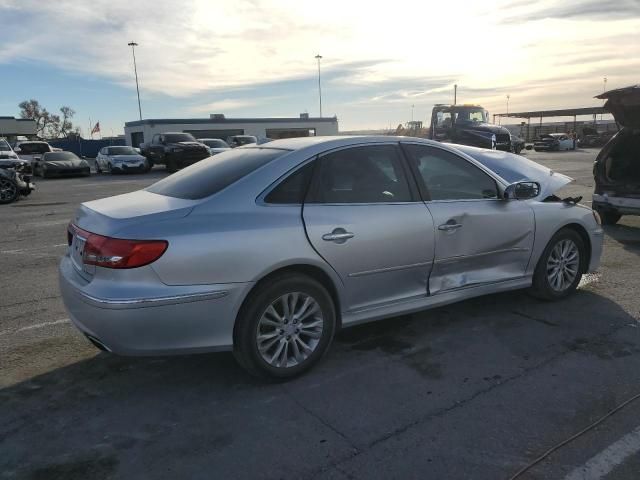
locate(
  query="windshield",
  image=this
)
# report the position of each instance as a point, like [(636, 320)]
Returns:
[(178, 137), (471, 115), (34, 147), (59, 156), (121, 151), (215, 173), (214, 143), (4, 146)]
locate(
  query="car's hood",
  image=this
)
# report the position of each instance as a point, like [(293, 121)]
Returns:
[(546, 140), (187, 144), (66, 163), (515, 168), (624, 105), (482, 128), (124, 158)]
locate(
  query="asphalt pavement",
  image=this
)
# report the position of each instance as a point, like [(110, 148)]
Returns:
[(475, 390)]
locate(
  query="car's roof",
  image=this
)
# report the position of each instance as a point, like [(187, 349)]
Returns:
[(21, 142), (299, 143)]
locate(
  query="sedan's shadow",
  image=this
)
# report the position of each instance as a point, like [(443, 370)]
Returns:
[(189, 416)]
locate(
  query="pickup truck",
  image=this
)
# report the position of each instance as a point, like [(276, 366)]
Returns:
[(467, 125), (175, 150)]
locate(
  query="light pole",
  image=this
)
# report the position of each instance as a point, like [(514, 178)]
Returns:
[(508, 97), (133, 46), (319, 57), (412, 107), (604, 89)]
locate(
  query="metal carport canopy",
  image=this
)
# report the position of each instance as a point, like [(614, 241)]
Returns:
[(565, 112)]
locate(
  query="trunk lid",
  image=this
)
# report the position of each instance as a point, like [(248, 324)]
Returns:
[(624, 105), (110, 215)]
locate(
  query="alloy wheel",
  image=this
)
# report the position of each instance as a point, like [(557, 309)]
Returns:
[(8, 190), (563, 265), (289, 330)]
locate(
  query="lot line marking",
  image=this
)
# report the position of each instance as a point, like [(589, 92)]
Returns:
[(36, 326), (603, 463), (26, 250)]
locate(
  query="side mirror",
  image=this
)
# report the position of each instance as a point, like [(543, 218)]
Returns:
[(522, 191), (17, 150)]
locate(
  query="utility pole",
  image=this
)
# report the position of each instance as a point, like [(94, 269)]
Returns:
[(412, 107), (319, 57), (604, 89), (455, 94), (508, 97), (133, 46)]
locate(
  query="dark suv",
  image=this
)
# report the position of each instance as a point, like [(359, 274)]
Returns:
[(174, 150), (617, 167)]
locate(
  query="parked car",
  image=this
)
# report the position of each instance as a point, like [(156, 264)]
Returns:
[(240, 140), (32, 151), (467, 125), (10, 159), (61, 164), (617, 167), (215, 145), (175, 150), (268, 250), (13, 184), (553, 142), (120, 159), (517, 144)]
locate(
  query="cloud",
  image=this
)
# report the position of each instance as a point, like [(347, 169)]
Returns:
[(569, 10), (223, 105)]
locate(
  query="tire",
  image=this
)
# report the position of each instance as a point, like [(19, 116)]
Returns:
[(608, 216), (109, 168), (9, 191), (171, 165), (544, 286), (282, 334)]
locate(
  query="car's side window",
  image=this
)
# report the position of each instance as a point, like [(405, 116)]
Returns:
[(367, 174), (447, 176), (292, 189)]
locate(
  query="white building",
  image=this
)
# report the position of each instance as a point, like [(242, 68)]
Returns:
[(11, 127), (218, 126)]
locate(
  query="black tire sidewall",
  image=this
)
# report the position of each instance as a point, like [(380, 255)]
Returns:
[(245, 346), (15, 197), (541, 287)]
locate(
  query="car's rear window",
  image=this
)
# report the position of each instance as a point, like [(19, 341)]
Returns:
[(215, 173)]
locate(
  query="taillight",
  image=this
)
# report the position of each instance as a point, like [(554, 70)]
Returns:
[(110, 252)]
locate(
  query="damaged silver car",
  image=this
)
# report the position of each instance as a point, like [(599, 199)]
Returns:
[(267, 250), (617, 167)]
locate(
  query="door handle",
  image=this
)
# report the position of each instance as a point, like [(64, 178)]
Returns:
[(339, 235), (448, 227)]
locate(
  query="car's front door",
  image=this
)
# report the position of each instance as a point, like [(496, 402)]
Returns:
[(362, 216), (480, 238)]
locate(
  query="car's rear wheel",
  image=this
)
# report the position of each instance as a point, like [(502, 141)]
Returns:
[(560, 266), (608, 216), (284, 327), (8, 191)]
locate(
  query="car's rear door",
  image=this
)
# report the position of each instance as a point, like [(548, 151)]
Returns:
[(365, 219), (480, 238)]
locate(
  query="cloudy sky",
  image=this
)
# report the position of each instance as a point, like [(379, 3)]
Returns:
[(256, 57)]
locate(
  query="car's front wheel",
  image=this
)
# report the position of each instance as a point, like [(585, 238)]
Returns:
[(8, 190), (560, 267), (284, 327)]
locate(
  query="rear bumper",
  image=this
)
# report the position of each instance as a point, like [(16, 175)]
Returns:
[(622, 205), (171, 320)]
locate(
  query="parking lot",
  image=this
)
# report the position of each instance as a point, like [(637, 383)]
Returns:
[(478, 389)]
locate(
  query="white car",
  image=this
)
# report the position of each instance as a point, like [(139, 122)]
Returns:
[(215, 145), (554, 142), (32, 151), (120, 159)]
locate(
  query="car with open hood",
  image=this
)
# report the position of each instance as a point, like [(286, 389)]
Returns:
[(59, 164), (617, 167), (10, 159), (267, 250)]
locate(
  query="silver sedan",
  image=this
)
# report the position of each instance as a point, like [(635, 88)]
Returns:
[(268, 250)]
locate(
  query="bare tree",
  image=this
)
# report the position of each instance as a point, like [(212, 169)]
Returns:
[(48, 125)]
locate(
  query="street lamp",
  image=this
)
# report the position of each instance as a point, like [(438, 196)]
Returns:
[(508, 97), (319, 57), (133, 46)]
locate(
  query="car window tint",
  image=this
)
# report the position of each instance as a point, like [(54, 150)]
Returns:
[(31, 148), (371, 174), (450, 177), (214, 173), (293, 188)]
